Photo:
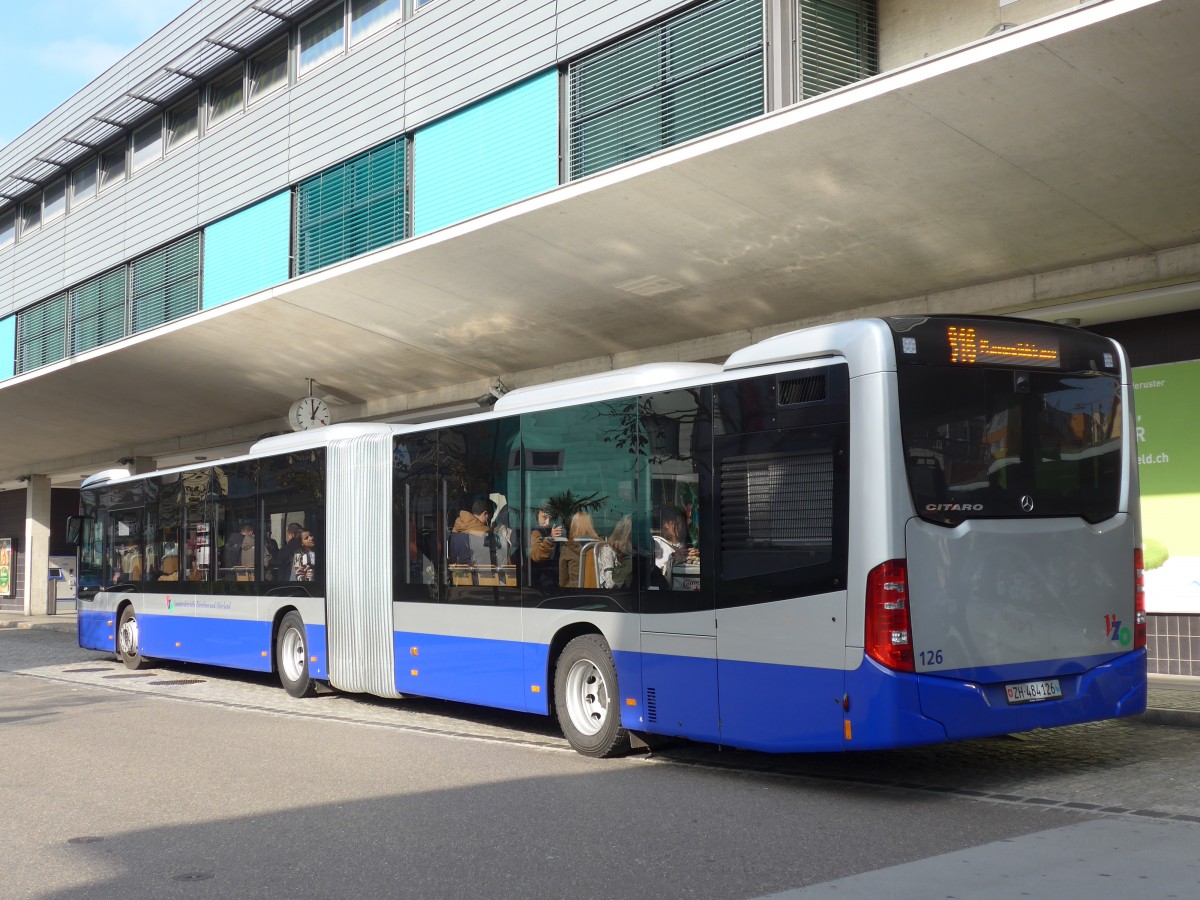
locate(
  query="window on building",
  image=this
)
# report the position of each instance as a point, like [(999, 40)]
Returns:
[(352, 208), (165, 285), (8, 227), (691, 74), (84, 181), (112, 166), (183, 122), (54, 200), (225, 95), (41, 333), (322, 38), (838, 44), (31, 215), (148, 143), (96, 312), (370, 16), (269, 70)]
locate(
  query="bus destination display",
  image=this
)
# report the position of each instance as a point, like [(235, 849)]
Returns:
[(938, 340), (991, 344)]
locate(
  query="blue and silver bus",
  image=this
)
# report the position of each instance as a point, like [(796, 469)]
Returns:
[(861, 535)]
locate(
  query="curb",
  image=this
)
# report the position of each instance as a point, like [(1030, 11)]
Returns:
[(1184, 718), (64, 627)]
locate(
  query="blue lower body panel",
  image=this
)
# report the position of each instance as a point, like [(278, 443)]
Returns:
[(234, 643), (680, 696), (97, 630), (473, 670), (780, 709)]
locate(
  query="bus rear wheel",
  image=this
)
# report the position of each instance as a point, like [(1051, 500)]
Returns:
[(586, 698), (291, 656), (128, 645)]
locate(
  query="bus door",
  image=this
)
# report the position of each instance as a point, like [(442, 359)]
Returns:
[(781, 475), (677, 601), (125, 548)]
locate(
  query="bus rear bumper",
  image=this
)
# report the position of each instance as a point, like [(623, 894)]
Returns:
[(969, 709)]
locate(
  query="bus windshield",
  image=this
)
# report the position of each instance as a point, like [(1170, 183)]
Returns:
[(999, 442)]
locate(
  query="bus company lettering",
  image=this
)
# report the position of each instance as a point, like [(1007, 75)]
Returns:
[(953, 507)]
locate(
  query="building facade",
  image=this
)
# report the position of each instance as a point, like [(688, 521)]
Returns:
[(405, 206)]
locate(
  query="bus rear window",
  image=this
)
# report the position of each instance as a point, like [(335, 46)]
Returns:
[(988, 443)]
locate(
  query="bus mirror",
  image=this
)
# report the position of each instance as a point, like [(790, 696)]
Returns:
[(76, 530)]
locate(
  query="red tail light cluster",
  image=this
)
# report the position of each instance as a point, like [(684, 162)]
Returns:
[(889, 626), (1139, 600)]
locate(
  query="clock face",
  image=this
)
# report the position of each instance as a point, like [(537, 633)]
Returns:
[(309, 412)]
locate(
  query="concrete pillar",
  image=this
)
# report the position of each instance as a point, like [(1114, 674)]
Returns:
[(37, 545)]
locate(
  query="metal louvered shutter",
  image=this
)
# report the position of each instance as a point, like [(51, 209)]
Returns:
[(42, 333), (839, 41), (352, 208), (165, 285), (97, 312), (691, 74), (778, 501)]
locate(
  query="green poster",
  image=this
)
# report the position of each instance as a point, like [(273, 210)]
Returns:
[(1167, 400)]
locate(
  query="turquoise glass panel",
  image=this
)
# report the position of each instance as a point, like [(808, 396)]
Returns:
[(8, 347), (248, 251), (495, 152)]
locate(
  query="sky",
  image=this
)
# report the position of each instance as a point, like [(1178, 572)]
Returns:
[(49, 49)]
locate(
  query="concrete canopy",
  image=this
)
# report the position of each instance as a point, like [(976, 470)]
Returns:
[(1005, 175)]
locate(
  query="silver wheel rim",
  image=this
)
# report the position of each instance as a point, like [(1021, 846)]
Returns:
[(587, 697), (291, 654), (128, 637)]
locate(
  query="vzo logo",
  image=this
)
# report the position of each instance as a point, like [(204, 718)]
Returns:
[(1114, 631)]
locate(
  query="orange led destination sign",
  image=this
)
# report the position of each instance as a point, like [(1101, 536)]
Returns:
[(980, 345)]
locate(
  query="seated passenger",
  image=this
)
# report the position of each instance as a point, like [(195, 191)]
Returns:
[(669, 546), (473, 524), (543, 551), (281, 562), (304, 564), (614, 559), (581, 530)]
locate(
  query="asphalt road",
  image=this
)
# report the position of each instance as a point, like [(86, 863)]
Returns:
[(191, 782)]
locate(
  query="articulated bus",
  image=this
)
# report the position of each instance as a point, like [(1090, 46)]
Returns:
[(862, 535)]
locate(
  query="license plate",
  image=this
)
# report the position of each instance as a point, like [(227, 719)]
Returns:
[(1033, 691)]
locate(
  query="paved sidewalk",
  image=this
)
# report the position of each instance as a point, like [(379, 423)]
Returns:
[(1173, 700)]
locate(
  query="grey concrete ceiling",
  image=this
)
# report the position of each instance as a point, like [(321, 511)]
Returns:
[(1035, 151)]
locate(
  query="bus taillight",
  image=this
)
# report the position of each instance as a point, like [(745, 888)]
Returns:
[(889, 627), (1139, 600)]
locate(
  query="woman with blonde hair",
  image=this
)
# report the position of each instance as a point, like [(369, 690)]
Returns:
[(615, 556), (581, 529)]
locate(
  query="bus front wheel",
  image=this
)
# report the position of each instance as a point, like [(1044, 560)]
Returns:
[(586, 698), (291, 656), (128, 644)]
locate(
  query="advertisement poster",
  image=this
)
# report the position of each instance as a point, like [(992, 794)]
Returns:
[(6, 564), (1168, 443)]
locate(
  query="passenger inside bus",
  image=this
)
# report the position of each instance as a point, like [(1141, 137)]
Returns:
[(304, 566), (282, 561), (543, 543), (469, 536), (614, 558), (575, 552)]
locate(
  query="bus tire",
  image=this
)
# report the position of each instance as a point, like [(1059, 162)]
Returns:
[(587, 699), (128, 644), (291, 656)]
